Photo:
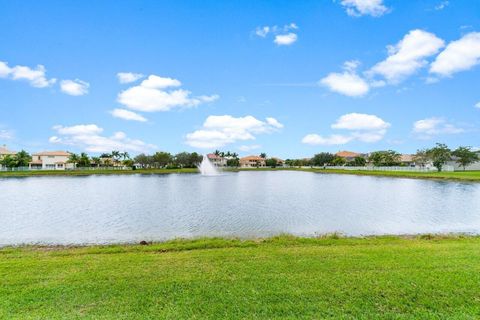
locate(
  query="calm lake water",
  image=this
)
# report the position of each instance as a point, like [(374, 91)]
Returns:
[(130, 208)]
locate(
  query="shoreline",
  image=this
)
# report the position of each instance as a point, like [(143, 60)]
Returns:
[(466, 176), (330, 238)]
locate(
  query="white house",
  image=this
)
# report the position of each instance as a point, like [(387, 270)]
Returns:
[(50, 160), (217, 160)]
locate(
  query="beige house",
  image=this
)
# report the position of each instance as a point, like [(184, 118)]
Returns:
[(5, 152), (252, 162), (217, 160), (51, 160)]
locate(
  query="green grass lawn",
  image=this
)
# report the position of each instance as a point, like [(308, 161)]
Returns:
[(459, 175), (278, 278)]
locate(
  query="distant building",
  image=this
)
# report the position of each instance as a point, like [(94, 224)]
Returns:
[(252, 162), (50, 160), (5, 152), (407, 160), (217, 160), (280, 162), (348, 155)]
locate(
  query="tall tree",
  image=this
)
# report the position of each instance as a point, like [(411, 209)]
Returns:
[(465, 156), (421, 157), (83, 160), (439, 155), (263, 155), (22, 159), (385, 158), (73, 158), (161, 159), (322, 159)]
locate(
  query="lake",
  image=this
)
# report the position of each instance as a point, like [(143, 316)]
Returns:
[(130, 208)]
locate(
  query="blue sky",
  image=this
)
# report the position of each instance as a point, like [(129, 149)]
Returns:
[(289, 78)]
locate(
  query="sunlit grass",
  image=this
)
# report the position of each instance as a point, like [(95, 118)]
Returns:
[(429, 277)]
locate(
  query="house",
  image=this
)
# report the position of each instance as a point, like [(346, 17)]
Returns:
[(51, 160), (252, 162), (280, 162), (5, 152), (348, 155), (407, 160), (217, 160)]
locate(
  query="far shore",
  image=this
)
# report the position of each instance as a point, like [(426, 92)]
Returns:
[(473, 176)]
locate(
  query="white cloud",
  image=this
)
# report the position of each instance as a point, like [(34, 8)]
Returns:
[(6, 134), (334, 139), (285, 39), (218, 131), (246, 148), (152, 95), (75, 87), (88, 137), (262, 31), (442, 5), (127, 115), (128, 77), (356, 8), (477, 105), (36, 77), (347, 83), (407, 56), (459, 55), (430, 127), (283, 36), (360, 121), (363, 127)]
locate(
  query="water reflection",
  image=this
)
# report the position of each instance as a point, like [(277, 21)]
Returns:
[(104, 209)]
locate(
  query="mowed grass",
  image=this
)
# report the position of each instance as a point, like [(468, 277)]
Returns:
[(473, 176), (278, 278)]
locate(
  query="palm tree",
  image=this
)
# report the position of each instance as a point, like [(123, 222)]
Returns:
[(96, 161), (84, 160), (263, 155), (217, 152), (73, 159), (235, 155), (115, 156), (125, 155)]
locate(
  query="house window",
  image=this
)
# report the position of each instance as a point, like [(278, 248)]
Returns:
[(50, 166)]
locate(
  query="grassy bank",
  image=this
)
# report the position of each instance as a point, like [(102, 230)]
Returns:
[(459, 175), (284, 277), (91, 172)]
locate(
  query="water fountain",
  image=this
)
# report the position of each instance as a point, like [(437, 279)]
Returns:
[(207, 168)]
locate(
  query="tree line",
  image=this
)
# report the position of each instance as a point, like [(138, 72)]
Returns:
[(437, 156)]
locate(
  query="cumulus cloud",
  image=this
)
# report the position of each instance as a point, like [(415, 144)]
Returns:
[(357, 8), (430, 127), (75, 87), (347, 83), (127, 115), (459, 55), (35, 77), (362, 127), (360, 121), (407, 56), (218, 131), (128, 77), (89, 137), (282, 36), (334, 139), (156, 94), (285, 39)]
